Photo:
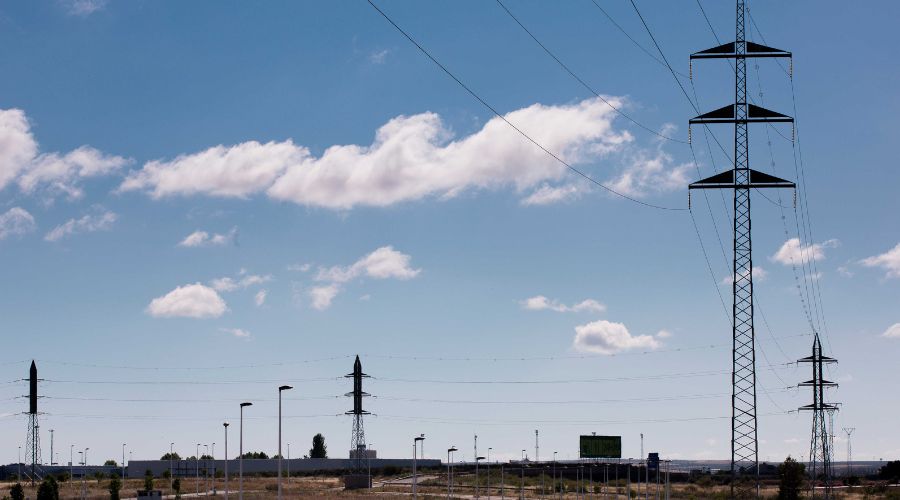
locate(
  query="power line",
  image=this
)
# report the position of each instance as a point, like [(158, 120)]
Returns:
[(581, 81), (513, 126)]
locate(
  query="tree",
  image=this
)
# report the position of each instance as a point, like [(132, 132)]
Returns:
[(48, 490), (16, 492), (114, 486), (318, 450), (790, 479), (890, 471), (148, 480), (171, 456), (176, 486), (255, 455), (111, 462)]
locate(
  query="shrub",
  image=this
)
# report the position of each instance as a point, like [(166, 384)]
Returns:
[(114, 486), (48, 490), (16, 492)]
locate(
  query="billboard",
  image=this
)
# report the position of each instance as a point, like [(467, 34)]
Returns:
[(600, 446)]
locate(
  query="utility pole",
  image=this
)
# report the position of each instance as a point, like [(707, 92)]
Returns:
[(819, 444), (537, 448), (849, 431), (741, 179), (51, 447)]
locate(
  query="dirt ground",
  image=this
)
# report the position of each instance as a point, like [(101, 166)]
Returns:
[(331, 487)]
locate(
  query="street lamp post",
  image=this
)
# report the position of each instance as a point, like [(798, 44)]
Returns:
[(416, 440), (241, 451), (71, 462), (123, 461), (449, 472), (280, 390), (225, 424), (81, 463), (554, 473), (171, 471), (289, 462), (197, 459), (477, 491), (206, 470), (488, 465)]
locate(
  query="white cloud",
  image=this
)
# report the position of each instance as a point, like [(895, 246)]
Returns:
[(548, 195), (793, 252), (237, 333), (83, 8), (663, 334), (228, 284), (188, 301), (541, 303), (322, 296), (15, 222), (383, 263), (845, 272), (606, 337), (203, 238), (379, 56), (53, 173), (411, 158), (893, 332), (90, 223), (889, 261), (759, 274), (648, 172), (299, 267), (260, 297)]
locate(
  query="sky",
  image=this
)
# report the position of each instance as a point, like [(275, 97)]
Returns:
[(202, 201)]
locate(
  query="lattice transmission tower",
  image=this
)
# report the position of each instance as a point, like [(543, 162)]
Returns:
[(820, 443), (741, 179), (358, 448), (33, 437)]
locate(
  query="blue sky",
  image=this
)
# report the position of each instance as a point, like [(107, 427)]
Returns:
[(276, 187)]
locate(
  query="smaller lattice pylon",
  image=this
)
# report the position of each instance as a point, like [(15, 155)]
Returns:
[(820, 442), (358, 439)]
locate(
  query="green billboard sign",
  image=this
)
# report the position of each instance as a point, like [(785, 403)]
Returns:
[(600, 446)]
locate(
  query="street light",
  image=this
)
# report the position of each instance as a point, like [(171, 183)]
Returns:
[(477, 492), (241, 451), (171, 471), (488, 462), (416, 440), (205, 469), (554, 473), (280, 390), (226, 459), (450, 472), (197, 458), (123, 461)]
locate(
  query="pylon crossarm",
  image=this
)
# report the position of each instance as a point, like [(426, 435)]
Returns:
[(729, 51)]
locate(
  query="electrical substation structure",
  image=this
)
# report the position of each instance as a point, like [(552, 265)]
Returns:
[(820, 452), (741, 179), (359, 476), (33, 438)]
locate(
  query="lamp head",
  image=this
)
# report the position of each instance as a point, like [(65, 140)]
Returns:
[(246, 404), (284, 388)]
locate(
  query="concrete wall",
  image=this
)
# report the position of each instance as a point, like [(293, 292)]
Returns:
[(188, 468)]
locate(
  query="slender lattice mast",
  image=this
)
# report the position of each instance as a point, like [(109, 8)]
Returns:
[(358, 438), (819, 443), (741, 179), (33, 438)]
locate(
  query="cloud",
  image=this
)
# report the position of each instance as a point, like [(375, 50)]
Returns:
[(90, 223), (83, 8), (759, 274), (548, 195), (845, 272), (411, 158), (188, 301), (51, 173), (606, 337), (889, 261), (260, 297), (793, 252), (203, 238), (663, 334), (322, 296), (228, 284), (893, 332), (15, 222), (379, 56), (237, 333), (791, 440), (541, 303), (648, 172), (382, 263), (299, 267)]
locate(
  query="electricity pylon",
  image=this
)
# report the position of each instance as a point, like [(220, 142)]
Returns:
[(358, 439), (819, 444), (741, 179)]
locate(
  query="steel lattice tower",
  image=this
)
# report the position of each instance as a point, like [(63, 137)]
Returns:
[(820, 442), (33, 438), (358, 439), (741, 179)]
